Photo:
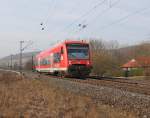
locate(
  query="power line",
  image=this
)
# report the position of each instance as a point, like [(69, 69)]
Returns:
[(125, 17), (52, 2), (101, 13), (85, 14), (121, 19), (48, 15)]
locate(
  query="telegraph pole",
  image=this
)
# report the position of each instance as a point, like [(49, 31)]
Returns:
[(11, 63), (21, 49), (8, 65), (32, 62)]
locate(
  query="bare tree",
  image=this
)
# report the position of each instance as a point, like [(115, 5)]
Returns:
[(104, 57)]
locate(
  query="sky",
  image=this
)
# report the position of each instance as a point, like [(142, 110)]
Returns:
[(126, 21)]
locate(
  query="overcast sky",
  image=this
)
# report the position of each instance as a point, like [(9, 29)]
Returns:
[(127, 21)]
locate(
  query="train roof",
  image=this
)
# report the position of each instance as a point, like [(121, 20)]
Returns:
[(75, 41), (62, 43)]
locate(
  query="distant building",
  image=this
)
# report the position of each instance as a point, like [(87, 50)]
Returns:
[(131, 64), (139, 62)]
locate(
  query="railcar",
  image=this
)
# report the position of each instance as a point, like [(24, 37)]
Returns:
[(68, 58)]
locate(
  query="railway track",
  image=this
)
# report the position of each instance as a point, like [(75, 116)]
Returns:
[(117, 83)]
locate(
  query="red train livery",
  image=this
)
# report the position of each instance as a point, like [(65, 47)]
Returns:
[(67, 58)]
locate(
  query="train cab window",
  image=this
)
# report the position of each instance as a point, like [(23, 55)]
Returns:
[(57, 57), (78, 51)]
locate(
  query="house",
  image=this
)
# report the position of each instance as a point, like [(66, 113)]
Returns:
[(139, 62), (131, 64)]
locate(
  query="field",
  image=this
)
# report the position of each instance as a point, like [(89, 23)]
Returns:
[(41, 97)]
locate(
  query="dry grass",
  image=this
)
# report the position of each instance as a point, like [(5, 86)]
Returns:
[(33, 98)]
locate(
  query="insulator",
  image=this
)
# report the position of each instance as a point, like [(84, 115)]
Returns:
[(79, 25), (84, 26)]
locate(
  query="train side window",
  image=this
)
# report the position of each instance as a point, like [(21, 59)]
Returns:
[(48, 61), (44, 62), (41, 62), (57, 57)]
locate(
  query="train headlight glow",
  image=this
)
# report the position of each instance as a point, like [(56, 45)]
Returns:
[(69, 62), (88, 63)]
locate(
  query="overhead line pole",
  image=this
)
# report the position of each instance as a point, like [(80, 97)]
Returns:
[(32, 62), (11, 63), (21, 49)]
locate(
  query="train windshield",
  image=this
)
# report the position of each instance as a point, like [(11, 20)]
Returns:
[(78, 51)]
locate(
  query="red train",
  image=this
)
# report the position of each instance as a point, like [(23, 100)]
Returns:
[(69, 58)]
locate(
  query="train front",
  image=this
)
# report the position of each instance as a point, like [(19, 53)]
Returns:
[(79, 61)]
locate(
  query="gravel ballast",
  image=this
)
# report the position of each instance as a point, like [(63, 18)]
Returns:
[(124, 100)]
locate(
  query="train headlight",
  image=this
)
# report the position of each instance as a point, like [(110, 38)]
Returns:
[(69, 62), (88, 63)]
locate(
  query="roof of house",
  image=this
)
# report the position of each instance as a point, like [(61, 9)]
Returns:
[(138, 62), (131, 64)]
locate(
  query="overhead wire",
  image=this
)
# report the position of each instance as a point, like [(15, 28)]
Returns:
[(48, 15), (125, 17), (84, 15), (45, 21), (121, 19), (101, 13)]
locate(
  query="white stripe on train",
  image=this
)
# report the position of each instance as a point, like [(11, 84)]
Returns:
[(51, 69)]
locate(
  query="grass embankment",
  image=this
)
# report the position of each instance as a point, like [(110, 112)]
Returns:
[(34, 98)]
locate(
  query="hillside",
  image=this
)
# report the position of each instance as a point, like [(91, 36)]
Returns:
[(134, 51), (15, 59)]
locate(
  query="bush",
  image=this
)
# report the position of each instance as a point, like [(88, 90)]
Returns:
[(136, 72)]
